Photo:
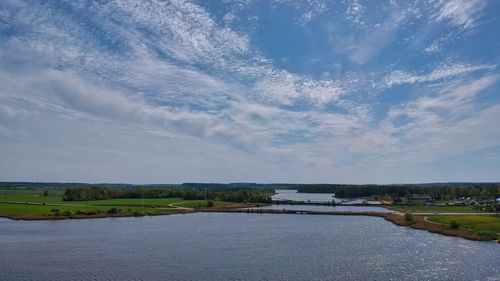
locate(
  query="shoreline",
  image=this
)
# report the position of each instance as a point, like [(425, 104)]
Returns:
[(420, 222)]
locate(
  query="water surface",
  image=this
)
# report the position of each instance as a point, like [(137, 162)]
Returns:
[(337, 208), (293, 195), (227, 246)]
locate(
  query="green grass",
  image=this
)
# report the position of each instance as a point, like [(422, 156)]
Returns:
[(55, 196), (202, 203), (481, 224), (22, 209), (159, 202), (438, 209), (135, 204)]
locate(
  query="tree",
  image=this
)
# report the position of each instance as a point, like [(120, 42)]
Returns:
[(409, 219), (210, 203), (409, 197), (454, 224)]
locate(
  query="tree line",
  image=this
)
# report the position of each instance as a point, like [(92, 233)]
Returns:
[(226, 194), (485, 191)]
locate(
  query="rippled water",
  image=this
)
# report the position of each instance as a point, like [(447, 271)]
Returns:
[(326, 208), (226, 246)]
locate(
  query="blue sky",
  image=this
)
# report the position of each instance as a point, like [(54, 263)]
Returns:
[(258, 91)]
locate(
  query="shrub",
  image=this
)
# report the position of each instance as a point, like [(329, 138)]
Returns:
[(112, 211), (138, 214), (454, 224), (65, 213), (210, 203), (55, 210), (409, 219)]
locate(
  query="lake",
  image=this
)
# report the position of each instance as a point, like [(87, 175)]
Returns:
[(326, 208), (293, 195), (227, 246)]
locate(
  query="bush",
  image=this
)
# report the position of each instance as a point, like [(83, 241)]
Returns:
[(86, 213), (454, 224), (210, 203), (409, 219), (138, 214), (55, 210), (112, 211)]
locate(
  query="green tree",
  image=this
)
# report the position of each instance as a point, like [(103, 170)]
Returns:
[(409, 219), (454, 224)]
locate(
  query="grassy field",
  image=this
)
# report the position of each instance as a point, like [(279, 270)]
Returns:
[(22, 209), (481, 224), (437, 209), (33, 202), (200, 203), (55, 196)]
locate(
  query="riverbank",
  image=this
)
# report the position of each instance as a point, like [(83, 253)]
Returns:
[(136, 212), (421, 223)]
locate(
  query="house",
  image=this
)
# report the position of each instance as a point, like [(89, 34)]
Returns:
[(421, 197), (429, 203)]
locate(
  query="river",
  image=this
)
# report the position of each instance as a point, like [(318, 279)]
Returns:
[(293, 195), (227, 246)]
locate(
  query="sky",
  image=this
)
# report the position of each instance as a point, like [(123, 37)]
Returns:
[(250, 91)]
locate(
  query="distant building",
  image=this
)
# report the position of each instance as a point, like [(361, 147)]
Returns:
[(430, 203), (487, 202)]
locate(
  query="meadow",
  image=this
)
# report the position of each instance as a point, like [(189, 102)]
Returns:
[(436, 209), (480, 224), (50, 203)]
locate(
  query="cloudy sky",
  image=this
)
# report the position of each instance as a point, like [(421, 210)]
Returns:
[(257, 91)]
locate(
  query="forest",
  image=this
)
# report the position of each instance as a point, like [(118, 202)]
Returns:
[(222, 194), (437, 191)]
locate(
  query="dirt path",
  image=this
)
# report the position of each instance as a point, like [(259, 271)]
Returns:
[(178, 207)]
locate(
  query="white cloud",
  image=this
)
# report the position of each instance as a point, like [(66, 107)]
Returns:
[(375, 40), (433, 48), (444, 71), (434, 114), (464, 14), (355, 11), (8, 112)]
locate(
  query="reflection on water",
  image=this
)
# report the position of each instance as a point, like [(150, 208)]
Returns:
[(227, 246), (326, 208), (293, 195)]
